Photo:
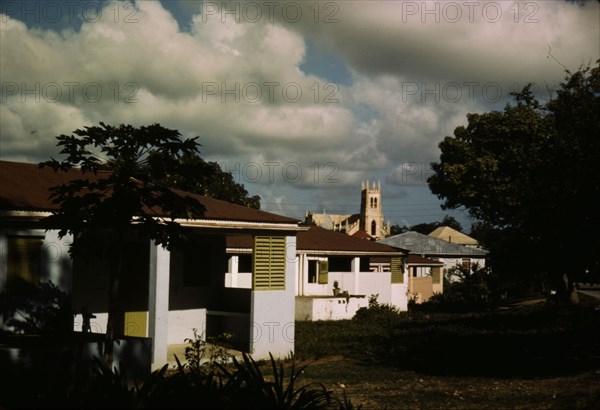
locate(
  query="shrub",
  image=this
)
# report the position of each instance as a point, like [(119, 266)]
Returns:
[(205, 355), (381, 312)]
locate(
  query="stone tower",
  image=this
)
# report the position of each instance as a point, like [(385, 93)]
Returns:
[(371, 212)]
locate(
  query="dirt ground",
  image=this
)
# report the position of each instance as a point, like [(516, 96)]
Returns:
[(379, 387)]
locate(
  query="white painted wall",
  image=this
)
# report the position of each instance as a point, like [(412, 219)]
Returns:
[(241, 280), (312, 309), (56, 264), (272, 314), (98, 324), (181, 323), (372, 283)]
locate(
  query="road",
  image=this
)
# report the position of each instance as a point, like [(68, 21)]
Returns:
[(590, 290)]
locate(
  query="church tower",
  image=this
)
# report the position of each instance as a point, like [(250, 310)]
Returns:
[(371, 212)]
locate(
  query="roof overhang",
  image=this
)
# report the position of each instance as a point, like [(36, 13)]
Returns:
[(188, 223)]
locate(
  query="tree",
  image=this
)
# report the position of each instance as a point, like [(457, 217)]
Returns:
[(427, 227), (126, 172), (530, 174), (207, 178), (397, 229)]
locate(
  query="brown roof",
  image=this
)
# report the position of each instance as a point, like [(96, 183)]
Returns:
[(321, 239), (362, 235), (26, 187)]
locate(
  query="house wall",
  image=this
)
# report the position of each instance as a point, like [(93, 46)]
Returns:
[(452, 262), (421, 288)]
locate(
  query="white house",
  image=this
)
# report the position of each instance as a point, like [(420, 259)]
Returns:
[(324, 259), (164, 294)]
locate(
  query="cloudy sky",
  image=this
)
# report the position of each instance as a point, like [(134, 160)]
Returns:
[(300, 100)]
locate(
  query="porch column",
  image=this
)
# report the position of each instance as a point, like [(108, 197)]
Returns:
[(3, 261), (356, 270), (158, 303)]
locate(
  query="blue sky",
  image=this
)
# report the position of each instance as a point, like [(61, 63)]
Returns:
[(301, 100)]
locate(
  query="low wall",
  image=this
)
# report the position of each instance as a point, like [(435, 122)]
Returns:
[(328, 308)]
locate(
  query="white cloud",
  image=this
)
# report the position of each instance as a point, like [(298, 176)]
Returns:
[(240, 87)]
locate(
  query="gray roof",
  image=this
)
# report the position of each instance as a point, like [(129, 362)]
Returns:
[(420, 244)]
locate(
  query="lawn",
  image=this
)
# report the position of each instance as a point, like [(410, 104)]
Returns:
[(540, 356)]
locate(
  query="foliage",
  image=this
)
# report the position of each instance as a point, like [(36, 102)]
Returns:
[(207, 178), (205, 356), (426, 228), (257, 391), (30, 309), (533, 340), (242, 385), (121, 183), (518, 170), (122, 172), (378, 312), (464, 290)]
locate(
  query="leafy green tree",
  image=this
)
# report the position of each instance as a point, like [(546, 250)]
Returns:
[(123, 189), (530, 173), (427, 227), (397, 229), (207, 178)]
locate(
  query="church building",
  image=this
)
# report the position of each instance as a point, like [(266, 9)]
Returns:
[(368, 224)]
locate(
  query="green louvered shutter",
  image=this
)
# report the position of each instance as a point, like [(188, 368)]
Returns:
[(323, 272), (269, 263), (24, 259), (436, 275), (397, 270)]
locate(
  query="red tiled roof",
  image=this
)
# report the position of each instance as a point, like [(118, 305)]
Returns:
[(321, 239), (26, 187), (362, 235)]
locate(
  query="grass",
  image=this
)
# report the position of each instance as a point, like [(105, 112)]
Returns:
[(535, 356)]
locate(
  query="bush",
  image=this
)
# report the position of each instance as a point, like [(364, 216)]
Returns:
[(377, 312), (206, 355)]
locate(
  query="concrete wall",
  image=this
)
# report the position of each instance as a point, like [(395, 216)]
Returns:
[(328, 308), (242, 280)]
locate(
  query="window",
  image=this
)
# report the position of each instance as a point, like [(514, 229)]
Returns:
[(373, 228), (466, 265), (318, 271), (269, 263), (312, 271), (24, 259)]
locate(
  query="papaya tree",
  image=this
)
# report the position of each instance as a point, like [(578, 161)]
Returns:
[(126, 186)]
